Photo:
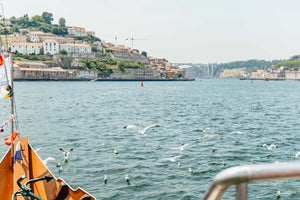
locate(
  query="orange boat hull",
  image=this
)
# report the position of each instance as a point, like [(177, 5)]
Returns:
[(32, 167)]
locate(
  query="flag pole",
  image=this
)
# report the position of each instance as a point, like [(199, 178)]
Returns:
[(12, 106)]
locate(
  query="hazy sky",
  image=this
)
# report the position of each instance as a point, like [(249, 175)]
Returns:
[(198, 31)]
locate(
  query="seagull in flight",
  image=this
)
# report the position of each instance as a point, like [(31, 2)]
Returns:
[(37, 149), (140, 130), (237, 132), (212, 136), (48, 159), (66, 154), (297, 154), (173, 159), (181, 148), (269, 147)]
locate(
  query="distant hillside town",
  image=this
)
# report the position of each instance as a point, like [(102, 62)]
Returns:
[(43, 50), (274, 72)]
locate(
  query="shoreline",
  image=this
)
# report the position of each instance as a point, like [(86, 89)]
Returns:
[(94, 80)]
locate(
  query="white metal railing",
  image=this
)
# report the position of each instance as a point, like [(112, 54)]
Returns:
[(242, 175)]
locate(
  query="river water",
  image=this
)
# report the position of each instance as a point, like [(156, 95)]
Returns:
[(89, 117)]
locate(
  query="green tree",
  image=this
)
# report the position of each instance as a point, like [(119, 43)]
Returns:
[(59, 30), (63, 52), (37, 21), (24, 21), (41, 51), (62, 22), (16, 29), (48, 17), (45, 28), (94, 49), (144, 53)]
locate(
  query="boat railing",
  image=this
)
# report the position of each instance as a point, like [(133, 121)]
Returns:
[(241, 176)]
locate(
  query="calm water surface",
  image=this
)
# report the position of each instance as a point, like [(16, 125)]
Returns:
[(89, 117)]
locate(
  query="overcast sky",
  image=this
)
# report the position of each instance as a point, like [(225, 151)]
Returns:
[(198, 31)]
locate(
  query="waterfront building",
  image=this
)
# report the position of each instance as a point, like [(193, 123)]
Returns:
[(292, 75), (32, 72), (233, 73), (146, 73)]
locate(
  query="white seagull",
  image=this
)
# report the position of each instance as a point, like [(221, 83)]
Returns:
[(140, 130), (173, 159), (66, 154), (127, 179), (224, 163), (48, 159), (278, 195), (59, 166), (181, 148), (116, 151), (37, 149), (212, 136), (269, 147), (105, 179), (297, 154), (213, 149), (190, 170), (237, 132)]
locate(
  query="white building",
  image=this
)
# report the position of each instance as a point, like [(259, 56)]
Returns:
[(76, 48), (77, 31), (50, 47), (25, 48), (35, 36), (98, 45)]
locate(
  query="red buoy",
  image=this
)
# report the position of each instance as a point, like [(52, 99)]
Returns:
[(142, 84)]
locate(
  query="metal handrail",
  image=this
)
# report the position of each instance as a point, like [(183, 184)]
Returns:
[(240, 177)]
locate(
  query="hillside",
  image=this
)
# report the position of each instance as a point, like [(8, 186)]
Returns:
[(291, 64)]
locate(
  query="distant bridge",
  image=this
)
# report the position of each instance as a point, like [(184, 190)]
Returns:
[(194, 70)]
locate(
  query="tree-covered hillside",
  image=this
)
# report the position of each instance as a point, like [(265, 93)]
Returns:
[(40, 23), (293, 63), (37, 22), (249, 64)]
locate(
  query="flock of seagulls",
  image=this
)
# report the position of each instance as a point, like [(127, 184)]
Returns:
[(182, 147), (140, 131)]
